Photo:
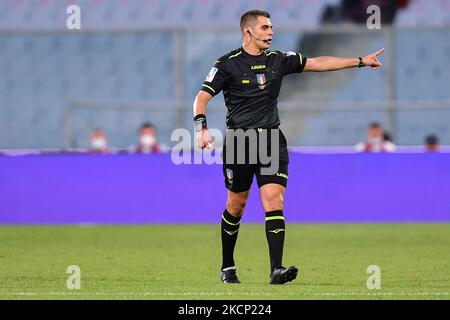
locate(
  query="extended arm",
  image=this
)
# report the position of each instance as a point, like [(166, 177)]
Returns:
[(325, 63)]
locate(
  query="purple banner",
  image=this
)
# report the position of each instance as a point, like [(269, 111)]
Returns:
[(65, 189)]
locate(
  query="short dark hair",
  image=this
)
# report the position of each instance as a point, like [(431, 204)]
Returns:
[(374, 125), (431, 139), (252, 15), (147, 125)]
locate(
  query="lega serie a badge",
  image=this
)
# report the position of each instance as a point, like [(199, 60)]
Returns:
[(261, 78), (211, 74)]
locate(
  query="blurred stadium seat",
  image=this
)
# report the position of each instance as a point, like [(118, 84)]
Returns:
[(42, 73), (50, 14)]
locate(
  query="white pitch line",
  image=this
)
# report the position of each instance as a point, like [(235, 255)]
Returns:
[(333, 294)]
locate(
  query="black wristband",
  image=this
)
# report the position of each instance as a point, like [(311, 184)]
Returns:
[(200, 122), (361, 64)]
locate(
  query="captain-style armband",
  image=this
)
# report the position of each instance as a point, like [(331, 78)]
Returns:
[(200, 122)]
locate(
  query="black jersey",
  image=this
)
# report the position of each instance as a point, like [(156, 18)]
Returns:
[(251, 85)]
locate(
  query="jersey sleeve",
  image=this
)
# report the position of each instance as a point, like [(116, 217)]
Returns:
[(216, 79), (293, 62)]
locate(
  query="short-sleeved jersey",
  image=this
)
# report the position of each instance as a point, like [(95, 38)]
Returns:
[(251, 85)]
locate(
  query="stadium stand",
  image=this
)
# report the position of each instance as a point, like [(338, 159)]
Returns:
[(43, 69), (127, 14), (120, 14)]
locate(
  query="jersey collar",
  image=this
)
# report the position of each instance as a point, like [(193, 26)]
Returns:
[(245, 53)]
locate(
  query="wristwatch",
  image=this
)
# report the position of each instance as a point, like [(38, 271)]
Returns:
[(361, 64), (200, 122)]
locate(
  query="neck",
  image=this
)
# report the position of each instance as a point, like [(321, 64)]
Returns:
[(251, 49)]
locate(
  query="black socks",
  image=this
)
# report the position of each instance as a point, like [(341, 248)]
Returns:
[(275, 237), (275, 231), (229, 229)]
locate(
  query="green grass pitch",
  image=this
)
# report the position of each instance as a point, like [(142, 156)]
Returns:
[(183, 261)]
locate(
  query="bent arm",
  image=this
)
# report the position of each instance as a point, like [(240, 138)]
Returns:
[(201, 102), (202, 136)]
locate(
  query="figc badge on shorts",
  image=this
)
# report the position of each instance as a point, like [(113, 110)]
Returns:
[(229, 174)]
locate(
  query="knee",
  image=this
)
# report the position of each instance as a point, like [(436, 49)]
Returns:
[(273, 201), (236, 206)]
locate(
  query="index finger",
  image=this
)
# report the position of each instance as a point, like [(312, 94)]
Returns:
[(379, 52)]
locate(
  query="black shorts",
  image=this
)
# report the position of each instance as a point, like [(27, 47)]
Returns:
[(238, 170)]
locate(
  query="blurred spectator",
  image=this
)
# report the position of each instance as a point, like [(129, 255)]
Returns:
[(375, 141), (98, 142), (147, 139), (431, 143)]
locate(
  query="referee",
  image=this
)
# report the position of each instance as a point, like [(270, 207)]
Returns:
[(250, 78)]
